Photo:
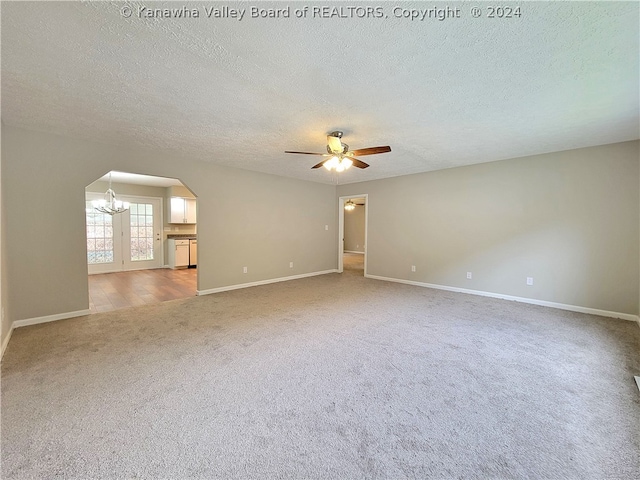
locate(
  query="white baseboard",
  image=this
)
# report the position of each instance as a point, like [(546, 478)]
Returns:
[(532, 301), (353, 251), (6, 342), (263, 282), (50, 318), (34, 321)]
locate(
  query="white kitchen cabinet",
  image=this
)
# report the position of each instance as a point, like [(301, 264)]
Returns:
[(178, 253), (190, 210), (182, 210)]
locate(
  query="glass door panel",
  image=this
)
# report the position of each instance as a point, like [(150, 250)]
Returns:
[(142, 239)]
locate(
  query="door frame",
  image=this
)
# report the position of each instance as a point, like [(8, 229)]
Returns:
[(120, 256), (341, 201)]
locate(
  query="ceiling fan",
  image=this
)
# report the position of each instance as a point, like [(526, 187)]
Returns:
[(340, 157)]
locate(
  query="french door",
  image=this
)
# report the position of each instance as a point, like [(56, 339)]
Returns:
[(131, 240)]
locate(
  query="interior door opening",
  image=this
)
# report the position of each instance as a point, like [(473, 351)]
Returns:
[(128, 259), (352, 235)]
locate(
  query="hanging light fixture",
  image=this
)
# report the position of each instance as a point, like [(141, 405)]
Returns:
[(109, 204), (349, 205)]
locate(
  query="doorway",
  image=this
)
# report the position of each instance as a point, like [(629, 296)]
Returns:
[(352, 235), (127, 253)]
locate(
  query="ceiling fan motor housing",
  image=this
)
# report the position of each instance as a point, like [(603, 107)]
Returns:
[(345, 149)]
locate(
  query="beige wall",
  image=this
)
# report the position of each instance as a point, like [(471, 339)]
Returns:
[(5, 326), (244, 219), (179, 191), (354, 229), (567, 219)]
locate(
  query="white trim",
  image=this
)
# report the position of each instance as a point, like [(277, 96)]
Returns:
[(637, 381), (50, 318), (6, 342), (262, 282), (532, 301), (353, 251)]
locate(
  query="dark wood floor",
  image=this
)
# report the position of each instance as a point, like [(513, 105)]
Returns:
[(112, 291)]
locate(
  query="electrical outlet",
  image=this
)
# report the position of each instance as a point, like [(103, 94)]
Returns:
[(326, 227), (529, 280), (469, 275), (413, 268), (244, 269), (290, 264)]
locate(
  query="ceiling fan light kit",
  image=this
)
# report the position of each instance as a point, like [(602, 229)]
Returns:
[(340, 157), (349, 205), (339, 164)]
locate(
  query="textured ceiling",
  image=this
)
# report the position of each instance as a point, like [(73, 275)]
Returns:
[(239, 92)]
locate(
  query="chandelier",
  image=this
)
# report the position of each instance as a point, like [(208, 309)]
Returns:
[(109, 204), (349, 205)]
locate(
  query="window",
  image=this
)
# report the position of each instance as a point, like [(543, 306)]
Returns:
[(99, 236)]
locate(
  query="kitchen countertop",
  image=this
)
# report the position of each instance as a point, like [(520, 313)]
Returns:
[(182, 236)]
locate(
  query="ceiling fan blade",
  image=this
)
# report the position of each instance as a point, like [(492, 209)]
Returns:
[(318, 165), (371, 151), (309, 153), (358, 163), (334, 144)]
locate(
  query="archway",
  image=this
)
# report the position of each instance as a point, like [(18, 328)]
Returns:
[(128, 258)]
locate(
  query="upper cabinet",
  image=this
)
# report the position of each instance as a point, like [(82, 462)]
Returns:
[(182, 210)]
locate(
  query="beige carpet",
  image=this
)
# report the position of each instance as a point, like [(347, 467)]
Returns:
[(336, 376)]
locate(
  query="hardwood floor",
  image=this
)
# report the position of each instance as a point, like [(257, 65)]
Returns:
[(112, 291), (353, 263)]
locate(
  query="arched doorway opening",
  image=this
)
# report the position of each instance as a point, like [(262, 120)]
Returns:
[(129, 262)]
